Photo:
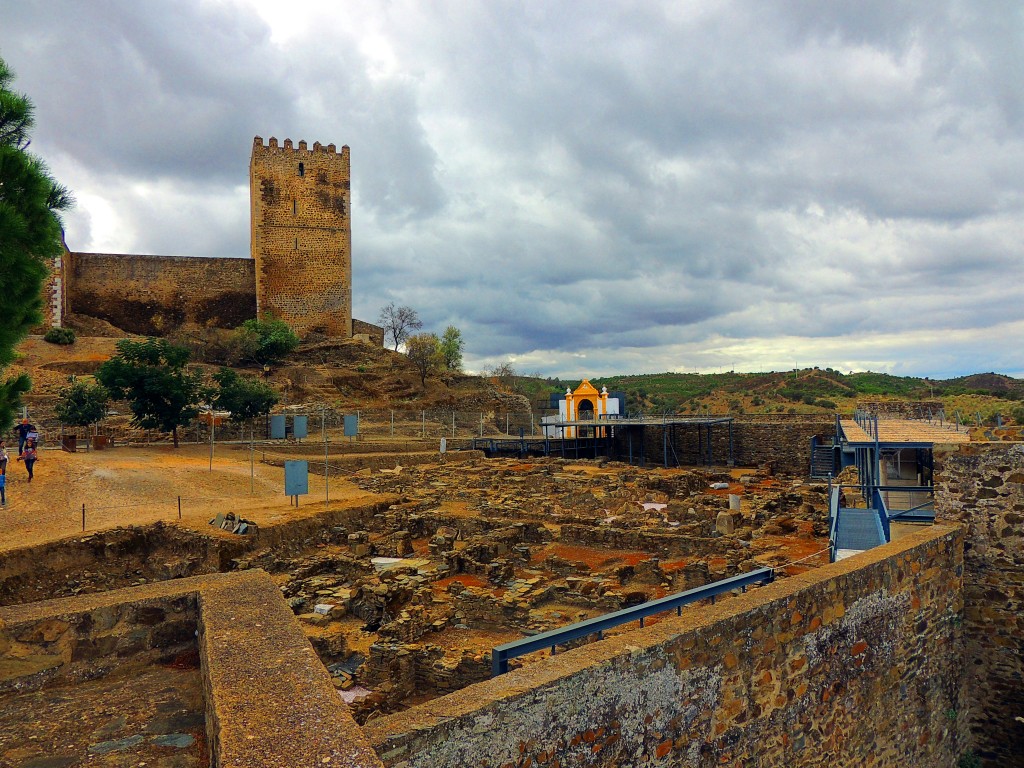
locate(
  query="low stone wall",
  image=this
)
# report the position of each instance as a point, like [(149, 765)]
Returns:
[(1011, 434), (349, 464), (856, 663), (645, 541), (269, 700), (111, 559), (120, 557), (83, 637), (982, 487), (903, 409)]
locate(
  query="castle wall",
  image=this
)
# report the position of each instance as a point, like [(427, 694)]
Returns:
[(301, 235), (373, 333), (982, 486), (154, 295), (856, 663)]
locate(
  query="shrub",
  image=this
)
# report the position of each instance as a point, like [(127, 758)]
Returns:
[(969, 760), (60, 336), (826, 404), (274, 338), (1017, 414)]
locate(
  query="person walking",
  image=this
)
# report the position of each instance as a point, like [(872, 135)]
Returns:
[(29, 457), (4, 458), (22, 431), (3, 490)]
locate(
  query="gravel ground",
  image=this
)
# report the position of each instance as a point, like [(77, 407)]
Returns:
[(127, 486)]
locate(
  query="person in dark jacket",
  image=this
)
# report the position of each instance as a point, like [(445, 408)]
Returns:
[(22, 431)]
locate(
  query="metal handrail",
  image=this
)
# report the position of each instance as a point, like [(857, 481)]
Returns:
[(833, 513), (501, 654)]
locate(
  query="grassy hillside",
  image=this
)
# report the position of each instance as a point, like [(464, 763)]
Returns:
[(811, 390)]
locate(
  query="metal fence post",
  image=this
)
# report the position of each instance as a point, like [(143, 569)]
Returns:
[(83, 516)]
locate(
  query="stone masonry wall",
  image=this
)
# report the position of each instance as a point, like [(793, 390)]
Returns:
[(853, 664), (373, 332), (153, 295), (85, 637), (301, 235), (982, 486), (785, 442)]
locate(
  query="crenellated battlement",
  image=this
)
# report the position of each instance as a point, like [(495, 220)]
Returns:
[(300, 196), (328, 149)]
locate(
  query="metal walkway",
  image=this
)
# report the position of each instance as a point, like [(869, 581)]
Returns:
[(859, 529), (634, 439)]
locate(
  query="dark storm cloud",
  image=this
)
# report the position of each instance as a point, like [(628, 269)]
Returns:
[(131, 91), (583, 188)]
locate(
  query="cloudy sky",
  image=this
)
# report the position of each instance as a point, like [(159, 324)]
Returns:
[(582, 188)]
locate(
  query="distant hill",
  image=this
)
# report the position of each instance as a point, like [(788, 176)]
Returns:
[(808, 390)]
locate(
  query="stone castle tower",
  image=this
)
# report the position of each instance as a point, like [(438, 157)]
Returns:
[(302, 235)]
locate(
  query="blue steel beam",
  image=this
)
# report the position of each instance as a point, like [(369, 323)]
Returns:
[(502, 653)]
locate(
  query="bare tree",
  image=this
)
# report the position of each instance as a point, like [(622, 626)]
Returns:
[(399, 323)]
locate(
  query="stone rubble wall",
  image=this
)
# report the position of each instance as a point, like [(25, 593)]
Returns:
[(646, 541), (780, 441), (111, 559), (857, 663), (344, 465), (269, 701), (982, 487), (82, 638), (901, 409)]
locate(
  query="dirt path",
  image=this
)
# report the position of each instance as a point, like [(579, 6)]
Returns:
[(127, 486)]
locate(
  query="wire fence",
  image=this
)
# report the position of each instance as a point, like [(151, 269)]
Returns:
[(372, 424)]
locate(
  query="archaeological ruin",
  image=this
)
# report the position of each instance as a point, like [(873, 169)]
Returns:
[(361, 633)]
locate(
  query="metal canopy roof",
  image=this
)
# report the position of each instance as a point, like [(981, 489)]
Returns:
[(903, 432)]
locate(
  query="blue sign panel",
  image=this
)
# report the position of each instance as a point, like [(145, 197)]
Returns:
[(296, 478), (300, 427), (277, 427), (351, 425)]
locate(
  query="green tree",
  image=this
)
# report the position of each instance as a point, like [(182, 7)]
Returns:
[(81, 404), (30, 234), (424, 350), (399, 323), (152, 375), (244, 396), (452, 346), (271, 338)]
